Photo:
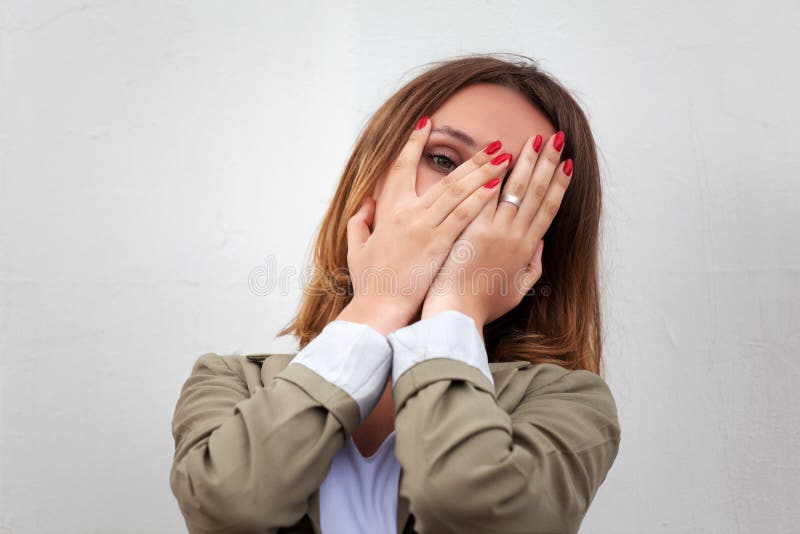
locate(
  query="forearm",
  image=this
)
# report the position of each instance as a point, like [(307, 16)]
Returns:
[(471, 466), (250, 462)]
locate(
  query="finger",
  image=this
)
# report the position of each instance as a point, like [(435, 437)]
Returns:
[(488, 211), (401, 180), (477, 160), (518, 180), (455, 192), (358, 226), (537, 256), (540, 181), (468, 209), (533, 271), (369, 216), (551, 202)]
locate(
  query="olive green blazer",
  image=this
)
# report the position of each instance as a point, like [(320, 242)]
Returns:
[(255, 438)]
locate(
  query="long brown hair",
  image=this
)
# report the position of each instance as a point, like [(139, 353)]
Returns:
[(559, 320)]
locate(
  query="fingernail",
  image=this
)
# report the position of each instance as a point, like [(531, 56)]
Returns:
[(537, 143), (493, 147), (491, 183), (505, 156), (422, 122), (568, 166), (558, 142)]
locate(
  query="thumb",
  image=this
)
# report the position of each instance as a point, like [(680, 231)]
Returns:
[(358, 226), (534, 268)]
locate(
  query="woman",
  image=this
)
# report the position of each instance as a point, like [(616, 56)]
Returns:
[(458, 399)]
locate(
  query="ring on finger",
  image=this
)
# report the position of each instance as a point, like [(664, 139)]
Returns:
[(508, 197)]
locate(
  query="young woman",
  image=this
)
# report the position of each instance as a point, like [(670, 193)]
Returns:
[(449, 372)]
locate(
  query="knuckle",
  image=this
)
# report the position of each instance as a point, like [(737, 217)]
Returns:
[(551, 208), (461, 213), (448, 181), (539, 190), (480, 158), (457, 190), (553, 157), (489, 171), (516, 189)]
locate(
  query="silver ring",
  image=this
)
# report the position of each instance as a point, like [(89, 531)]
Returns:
[(507, 197)]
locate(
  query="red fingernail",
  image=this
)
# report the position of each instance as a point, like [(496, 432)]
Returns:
[(558, 142), (422, 122), (537, 143), (493, 147), (491, 183), (568, 166), (505, 156)]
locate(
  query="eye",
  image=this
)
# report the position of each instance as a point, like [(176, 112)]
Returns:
[(442, 160)]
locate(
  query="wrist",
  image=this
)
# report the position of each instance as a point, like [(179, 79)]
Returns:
[(382, 318)]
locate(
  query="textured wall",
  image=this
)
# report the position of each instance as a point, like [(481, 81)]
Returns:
[(158, 157)]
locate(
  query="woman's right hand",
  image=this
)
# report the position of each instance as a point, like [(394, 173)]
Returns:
[(392, 267)]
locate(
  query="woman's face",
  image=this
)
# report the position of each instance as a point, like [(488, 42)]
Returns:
[(467, 122)]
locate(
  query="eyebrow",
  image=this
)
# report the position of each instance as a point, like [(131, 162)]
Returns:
[(456, 134)]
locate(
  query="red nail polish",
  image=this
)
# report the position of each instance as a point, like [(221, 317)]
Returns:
[(491, 183), (537, 143), (493, 147), (558, 142), (568, 166), (505, 156), (422, 122)]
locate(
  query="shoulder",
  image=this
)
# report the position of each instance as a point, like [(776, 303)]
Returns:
[(251, 370), (552, 377), (232, 362), (565, 387)]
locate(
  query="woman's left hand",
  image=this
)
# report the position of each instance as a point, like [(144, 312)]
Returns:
[(497, 258)]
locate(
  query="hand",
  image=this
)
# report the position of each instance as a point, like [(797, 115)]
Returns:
[(416, 233), (496, 259)]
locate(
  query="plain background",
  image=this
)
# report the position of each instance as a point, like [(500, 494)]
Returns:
[(162, 161)]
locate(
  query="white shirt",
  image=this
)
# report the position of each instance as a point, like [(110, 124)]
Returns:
[(359, 495)]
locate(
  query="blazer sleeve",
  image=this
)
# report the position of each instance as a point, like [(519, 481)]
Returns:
[(469, 466), (249, 463)]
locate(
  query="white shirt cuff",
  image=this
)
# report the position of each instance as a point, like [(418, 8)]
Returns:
[(448, 334), (353, 356)]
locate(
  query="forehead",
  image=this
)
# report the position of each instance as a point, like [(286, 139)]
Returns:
[(487, 112)]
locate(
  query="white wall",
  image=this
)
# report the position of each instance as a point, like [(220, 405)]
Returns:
[(155, 154)]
